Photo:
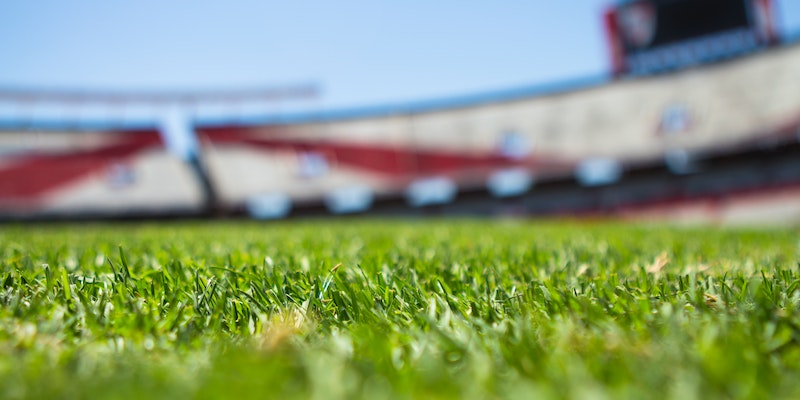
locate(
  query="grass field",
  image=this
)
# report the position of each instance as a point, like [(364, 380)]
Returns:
[(391, 309)]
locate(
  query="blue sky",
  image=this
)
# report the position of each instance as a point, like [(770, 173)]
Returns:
[(357, 52)]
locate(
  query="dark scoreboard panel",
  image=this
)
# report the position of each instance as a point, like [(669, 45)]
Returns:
[(651, 36)]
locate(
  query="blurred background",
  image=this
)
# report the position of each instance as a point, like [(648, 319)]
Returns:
[(679, 110)]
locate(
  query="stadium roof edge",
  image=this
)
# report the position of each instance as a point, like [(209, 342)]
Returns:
[(11, 93), (53, 124)]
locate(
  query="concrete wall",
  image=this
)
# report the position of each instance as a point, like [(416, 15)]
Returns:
[(514, 140)]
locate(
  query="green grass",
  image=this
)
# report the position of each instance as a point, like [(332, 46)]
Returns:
[(376, 309)]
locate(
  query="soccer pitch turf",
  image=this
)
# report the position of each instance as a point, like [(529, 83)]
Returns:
[(376, 309)]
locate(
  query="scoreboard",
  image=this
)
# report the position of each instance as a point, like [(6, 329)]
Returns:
[(652, 36)]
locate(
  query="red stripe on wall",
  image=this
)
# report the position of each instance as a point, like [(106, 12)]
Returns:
[(393, 161), (31, 176)]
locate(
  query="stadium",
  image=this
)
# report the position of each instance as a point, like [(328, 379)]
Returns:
[(699, 118)]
